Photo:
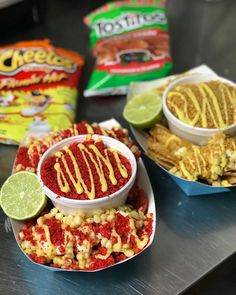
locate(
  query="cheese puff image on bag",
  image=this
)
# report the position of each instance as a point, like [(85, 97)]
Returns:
[(130, 42), (38, 88)]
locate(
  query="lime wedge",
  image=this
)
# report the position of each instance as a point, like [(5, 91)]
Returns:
[(144, 110), (21, 196)]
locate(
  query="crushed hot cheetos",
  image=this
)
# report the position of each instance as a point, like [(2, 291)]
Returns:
[(88, 241)]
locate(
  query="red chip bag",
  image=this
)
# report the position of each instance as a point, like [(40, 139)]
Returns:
[(38, 88)]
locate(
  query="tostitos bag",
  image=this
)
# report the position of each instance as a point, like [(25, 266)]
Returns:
[(38, 88), (130, 42)]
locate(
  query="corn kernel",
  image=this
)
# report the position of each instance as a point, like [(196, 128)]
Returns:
[(129, 253), (97, 211), (82, 263), (58, 260), (225, 183), (112, 211), (72, 224), (134, 214), (70, 244), (26, 245), (86, 255), (63, 225), (103, 217), (68, 219), (69, 251), (117, 247), (78, 220), (126, 246), (139, 224), (110, 217), (141, 215), (108, 244), (54, 211), (104, 241), (28, 251), (59, 216), (96, 219), (89, 220), (79, 256)]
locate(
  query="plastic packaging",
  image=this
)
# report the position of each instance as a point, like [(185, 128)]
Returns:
[(130, 41), (38, 88)]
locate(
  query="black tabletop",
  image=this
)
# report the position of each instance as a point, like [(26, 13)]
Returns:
[(194, 234)]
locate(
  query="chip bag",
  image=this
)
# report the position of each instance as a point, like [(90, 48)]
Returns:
[(38, 88), (130, 41)]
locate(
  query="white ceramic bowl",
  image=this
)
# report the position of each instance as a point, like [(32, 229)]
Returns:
[(195, 135), (70, 206)]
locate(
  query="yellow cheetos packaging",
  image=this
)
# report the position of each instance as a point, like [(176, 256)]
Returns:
[(38, 88)]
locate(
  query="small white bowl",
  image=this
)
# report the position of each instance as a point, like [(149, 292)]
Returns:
[(193, 134), (70, 206)]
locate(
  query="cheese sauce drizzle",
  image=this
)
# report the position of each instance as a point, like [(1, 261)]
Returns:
[(207, 105), (98, 159)]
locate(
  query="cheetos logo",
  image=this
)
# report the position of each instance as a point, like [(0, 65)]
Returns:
[(12, 60)]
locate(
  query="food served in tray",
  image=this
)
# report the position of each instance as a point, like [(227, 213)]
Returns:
[(214, 163), (88, 241), (29, 154), (204, 154), (209, 104), (86, 170)]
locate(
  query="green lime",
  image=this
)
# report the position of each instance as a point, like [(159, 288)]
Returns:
[(21, 196), (144, 110)]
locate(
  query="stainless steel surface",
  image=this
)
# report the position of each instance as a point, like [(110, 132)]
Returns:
[(194, 234)]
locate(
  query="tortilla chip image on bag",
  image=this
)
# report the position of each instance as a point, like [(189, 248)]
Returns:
[(38, 88), (130, 42)]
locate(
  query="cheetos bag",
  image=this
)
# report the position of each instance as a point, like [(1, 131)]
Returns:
[(38, 88)]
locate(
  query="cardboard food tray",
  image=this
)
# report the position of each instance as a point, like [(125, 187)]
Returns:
[(191, 188), (142, 180)]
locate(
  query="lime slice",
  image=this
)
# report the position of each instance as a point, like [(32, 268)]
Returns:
[(21, 196), (144, 110)]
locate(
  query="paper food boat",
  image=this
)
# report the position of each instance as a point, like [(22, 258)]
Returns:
[(142, 180), (191, 188)]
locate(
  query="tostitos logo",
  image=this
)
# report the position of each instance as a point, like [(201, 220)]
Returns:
[(13, 60), (127, 22)]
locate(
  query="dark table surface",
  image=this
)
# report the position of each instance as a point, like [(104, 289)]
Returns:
[(194, 234)]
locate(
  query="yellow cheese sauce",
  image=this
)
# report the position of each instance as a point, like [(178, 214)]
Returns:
[(207, 104), (86, 168)]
